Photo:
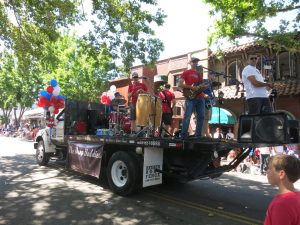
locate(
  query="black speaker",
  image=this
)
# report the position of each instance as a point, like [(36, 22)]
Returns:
[(96, 119), (264, 128), (294, 131)]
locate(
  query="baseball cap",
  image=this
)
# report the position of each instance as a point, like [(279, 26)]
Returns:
[(134, 75), (117, 94), (194, 59)]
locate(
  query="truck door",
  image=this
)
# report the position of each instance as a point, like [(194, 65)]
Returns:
[(58, 129)]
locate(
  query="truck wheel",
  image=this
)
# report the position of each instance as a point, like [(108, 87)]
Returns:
[(41, 158), (123, 173)]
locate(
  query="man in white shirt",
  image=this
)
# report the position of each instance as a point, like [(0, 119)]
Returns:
[(256, 89)]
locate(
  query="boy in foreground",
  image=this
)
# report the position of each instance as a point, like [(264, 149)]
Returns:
[(283, 171)]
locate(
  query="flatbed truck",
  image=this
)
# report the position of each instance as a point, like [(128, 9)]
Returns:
[(128, 162)]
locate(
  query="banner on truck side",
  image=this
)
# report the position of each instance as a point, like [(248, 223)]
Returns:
[(85, 158), (153, 159)]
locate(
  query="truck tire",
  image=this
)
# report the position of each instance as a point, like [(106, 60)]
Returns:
[(41, 157), (124, 173)]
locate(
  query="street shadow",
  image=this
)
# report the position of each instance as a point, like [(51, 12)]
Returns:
[(52, 195)]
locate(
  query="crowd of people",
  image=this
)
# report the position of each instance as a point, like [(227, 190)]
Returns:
[(25, 131)]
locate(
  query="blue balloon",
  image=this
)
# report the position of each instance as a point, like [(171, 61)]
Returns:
[(44, 93), (53, 83), (60, 96)]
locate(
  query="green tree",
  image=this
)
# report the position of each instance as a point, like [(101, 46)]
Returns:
[(246, 18), (122, 27), (16, 89), (81, 70)]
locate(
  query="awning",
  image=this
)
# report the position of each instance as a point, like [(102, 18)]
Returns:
[(225, 117), (37, 113)]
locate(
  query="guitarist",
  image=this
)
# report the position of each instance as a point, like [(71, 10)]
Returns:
[(189, 81)]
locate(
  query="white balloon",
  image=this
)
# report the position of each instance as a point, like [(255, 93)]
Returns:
[(56, 91), (51, 109), (113, 88), (111, 94)]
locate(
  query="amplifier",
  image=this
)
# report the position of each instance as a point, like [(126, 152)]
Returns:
[(268, 128)]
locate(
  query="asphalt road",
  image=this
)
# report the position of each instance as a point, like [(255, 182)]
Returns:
[(30, 194)]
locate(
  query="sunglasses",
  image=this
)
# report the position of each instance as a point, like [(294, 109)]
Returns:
[(253, 58)]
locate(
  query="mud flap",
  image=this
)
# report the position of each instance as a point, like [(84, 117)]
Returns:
[(153, 160)]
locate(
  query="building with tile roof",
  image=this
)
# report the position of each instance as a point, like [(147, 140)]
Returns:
[(282, 68)]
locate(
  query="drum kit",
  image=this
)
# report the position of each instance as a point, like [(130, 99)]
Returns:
[(148, 115), (119, 121)]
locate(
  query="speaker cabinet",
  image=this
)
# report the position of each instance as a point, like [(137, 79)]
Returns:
[(294, 131), (265, 128)]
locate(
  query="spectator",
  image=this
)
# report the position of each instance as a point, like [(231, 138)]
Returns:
[(283, 171), (218, 133), (229, 135), (265, 153)]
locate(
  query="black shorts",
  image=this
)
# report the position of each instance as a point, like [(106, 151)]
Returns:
[(167, 118), (132, 112)]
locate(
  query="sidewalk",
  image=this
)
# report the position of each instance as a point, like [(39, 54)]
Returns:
[(259, 178)]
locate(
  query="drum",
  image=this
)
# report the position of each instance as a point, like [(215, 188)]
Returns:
[(143, 106), (156, 112), (115, 117), (126, 125)]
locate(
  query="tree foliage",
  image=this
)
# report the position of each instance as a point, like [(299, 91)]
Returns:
[(247, 18), (81, 71), (16, 89), (122, 27)]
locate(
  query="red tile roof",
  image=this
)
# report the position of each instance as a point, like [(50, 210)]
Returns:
[(284, 88)]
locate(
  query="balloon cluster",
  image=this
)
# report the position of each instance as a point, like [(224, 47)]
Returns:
[(106, 97), (50, 99)]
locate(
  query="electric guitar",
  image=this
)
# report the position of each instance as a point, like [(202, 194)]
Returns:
[(191, 94)]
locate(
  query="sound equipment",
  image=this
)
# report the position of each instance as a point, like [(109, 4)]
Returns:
[(273, 128), (96, 119)]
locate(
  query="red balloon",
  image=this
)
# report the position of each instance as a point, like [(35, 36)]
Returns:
[(105, 100), (40, 104), (53, 100), (44, 101), (50, 89), (56, 111)]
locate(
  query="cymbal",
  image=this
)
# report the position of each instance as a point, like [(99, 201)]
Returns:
[(119, 101)]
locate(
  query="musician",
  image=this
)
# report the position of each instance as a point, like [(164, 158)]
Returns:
[(117, 101), (189, 80), (256, 89), (134, 90), (168, 103)]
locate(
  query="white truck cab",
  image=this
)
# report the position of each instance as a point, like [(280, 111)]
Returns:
[(50, 141)]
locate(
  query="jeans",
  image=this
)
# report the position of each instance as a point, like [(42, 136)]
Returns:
[(264, 160), (195, 105), (259, 105)]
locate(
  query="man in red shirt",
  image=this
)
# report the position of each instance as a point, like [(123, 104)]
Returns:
[(189, 80), (168, 103), (134, 90)]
